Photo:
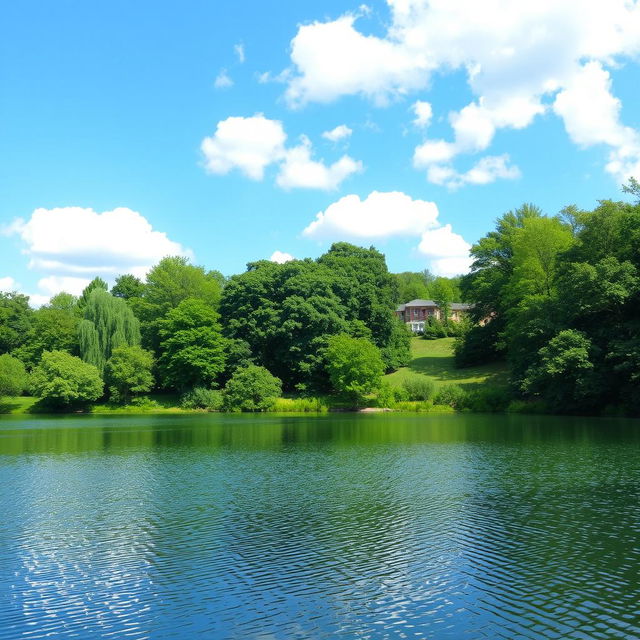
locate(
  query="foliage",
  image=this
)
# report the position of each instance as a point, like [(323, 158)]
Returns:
[(397, 351), (563, 373), (108, 323), (452, 395), (299, 405), (128, 286), (63, 301), (128, 372), (96, 283), (419, 388), (13, 376), (251, 388), (52, 329), (191, 346), (65, 380), (15, 320), (202, 398), (434, 329), (354, 365)]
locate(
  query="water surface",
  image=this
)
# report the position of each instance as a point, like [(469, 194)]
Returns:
[(352, 526)]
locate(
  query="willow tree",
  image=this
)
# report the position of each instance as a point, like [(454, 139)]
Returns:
[(108, 323)]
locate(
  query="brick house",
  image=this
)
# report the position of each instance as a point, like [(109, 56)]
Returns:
[(417, 312)]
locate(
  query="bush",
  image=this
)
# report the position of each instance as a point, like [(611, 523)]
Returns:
[(251, 388), (451, 395), (488, 400), (13, 376), (144, 402), (64, 380), (419, 388), (434, 329), (298, 405), (128, 372), (202, 398)]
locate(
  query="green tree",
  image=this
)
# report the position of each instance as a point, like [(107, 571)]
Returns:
[(563, 373), (64, 380), (15, 320), (13, 376), (128, 372), (52, 329), (251, 388), (63, 301), (128, 286), (354, 365), (191, 346), (107, 323), (96, 283), (442, 292)]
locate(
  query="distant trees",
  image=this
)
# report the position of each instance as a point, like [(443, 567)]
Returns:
[(129, 372)]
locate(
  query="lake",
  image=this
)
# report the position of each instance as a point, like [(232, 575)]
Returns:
[(333, 526)]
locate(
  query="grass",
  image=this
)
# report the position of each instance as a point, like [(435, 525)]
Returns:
[(434, 359)]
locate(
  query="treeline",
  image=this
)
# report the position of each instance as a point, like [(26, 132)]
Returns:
[(306, 326), (559, 298)]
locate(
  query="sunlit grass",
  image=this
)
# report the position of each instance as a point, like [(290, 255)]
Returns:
[(434, 359)]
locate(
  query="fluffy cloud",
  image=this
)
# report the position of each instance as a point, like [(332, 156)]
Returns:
[(384, 215), (379, 215), (252, 144), (223, 80), (518, 57), (423, 112), (339, 133), (8, 284), (80, 243), (247, 144), (486, 170), (55, 284), (280, 257), (299, 170), (448, 251)]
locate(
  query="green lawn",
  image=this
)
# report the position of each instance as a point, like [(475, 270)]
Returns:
[(434, 359)]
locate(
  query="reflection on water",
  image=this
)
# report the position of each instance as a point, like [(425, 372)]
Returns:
[(378, 526)]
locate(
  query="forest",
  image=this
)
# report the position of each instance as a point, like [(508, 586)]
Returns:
[(555, 297)]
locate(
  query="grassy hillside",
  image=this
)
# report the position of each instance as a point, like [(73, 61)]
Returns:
[(434, 359)]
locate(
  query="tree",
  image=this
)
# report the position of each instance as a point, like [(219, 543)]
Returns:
[(63, 301), (52, 329), (107, 323), (442, 292), (354, 365), (64, 380), (563, 374), (128, 286), (191, 346), (96, 283), (251, 388), (13, 376), (128, 372), (15, 320)]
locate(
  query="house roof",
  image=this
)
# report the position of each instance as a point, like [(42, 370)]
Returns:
[(455, 306)]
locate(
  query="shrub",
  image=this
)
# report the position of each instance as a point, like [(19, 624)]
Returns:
[(251, 388), (144, 402), (488, 400), (64, 380), (298, 405), (13, 376), (433, 329), (128, 372), (451, 395), (202, 398), (419, 388)]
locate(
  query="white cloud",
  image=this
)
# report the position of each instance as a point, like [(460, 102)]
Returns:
[(55, 284), (339, 133), (299, 170), (239, 51), (517, 56), (8, 284), (486, 170), (448, 251), (423, 112), (379, 215), (223, 80), (79, 242), (252, 144), (247, 144), (280, 257)]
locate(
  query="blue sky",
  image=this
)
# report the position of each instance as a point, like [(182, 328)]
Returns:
[(132, 130)]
